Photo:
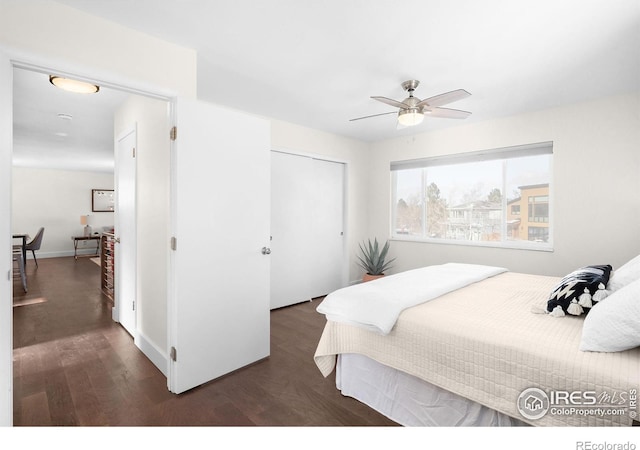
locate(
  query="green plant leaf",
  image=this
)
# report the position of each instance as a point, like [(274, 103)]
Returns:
[(373, 258)]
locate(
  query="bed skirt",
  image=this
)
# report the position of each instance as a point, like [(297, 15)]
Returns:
[(408, 400)]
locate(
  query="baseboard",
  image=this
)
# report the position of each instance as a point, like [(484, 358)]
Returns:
[(155, 355)]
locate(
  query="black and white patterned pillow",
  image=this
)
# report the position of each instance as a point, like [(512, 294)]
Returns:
[(575, 292)]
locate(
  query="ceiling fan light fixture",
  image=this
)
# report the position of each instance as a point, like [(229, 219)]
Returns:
[(410, 117), (71, 85), (411, 110)]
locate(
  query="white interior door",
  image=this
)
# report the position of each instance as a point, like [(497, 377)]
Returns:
[(125, 232), (327, 218), (6, 286), (219, 292), (290, 227)]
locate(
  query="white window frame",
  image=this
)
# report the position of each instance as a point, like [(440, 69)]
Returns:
[(505, 153)]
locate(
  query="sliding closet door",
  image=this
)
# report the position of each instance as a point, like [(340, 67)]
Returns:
[(307, 218), (327, 222), (290, 225)]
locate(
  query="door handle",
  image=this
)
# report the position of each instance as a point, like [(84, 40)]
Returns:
[(266, 251)]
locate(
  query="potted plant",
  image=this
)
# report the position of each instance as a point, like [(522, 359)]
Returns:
[(373, 259)]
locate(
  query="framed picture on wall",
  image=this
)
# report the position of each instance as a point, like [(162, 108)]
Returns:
[(102, 200)]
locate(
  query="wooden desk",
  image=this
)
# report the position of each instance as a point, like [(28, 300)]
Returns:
[(78, 239)]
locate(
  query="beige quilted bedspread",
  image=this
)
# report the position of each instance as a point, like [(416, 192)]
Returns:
[(484, 343)]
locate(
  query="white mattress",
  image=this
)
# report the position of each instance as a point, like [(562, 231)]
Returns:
[(484, 343)]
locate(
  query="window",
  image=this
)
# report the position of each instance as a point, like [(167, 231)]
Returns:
[(539, 208), (498, 197)]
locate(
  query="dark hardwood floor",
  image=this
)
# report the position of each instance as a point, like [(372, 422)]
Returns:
[(74, 366)]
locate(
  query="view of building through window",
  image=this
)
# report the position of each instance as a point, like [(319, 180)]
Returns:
[(497, 200)]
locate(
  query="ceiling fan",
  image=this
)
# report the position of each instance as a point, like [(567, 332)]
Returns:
[(412, 110)]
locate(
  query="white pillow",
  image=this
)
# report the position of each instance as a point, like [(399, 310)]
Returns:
[(625, 274), (613, 324)]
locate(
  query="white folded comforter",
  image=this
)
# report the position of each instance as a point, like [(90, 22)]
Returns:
[(376, 305)]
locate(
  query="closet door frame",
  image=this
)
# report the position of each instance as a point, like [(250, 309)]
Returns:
[(345, 199)]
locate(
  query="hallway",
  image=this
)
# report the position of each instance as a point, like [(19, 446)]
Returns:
[(70, 359)]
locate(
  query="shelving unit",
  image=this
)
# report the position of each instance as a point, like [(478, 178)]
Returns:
[(107, 264)]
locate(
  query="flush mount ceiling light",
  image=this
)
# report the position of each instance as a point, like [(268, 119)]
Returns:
[(70, 85)]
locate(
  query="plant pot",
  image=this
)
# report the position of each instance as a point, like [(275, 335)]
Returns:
[(369, 277)]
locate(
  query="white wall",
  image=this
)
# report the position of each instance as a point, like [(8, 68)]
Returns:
[(151, 118), (298, 139), (71, 40), (596, 185), (55, 199)]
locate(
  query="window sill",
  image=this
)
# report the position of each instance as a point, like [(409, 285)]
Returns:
[(513, 245)]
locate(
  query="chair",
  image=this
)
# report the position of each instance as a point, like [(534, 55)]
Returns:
[(34, 244), (17, 257)]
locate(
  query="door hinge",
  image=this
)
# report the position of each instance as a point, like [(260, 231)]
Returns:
[(133, 152), (173, 134), (173, 354), (133, 305), (174, 243)]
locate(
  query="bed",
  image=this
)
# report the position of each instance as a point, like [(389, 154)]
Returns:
[(485, 350)]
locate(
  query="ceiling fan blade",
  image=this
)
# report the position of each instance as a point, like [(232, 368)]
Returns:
[(391, 102), (447, 113), (374, 115), (443, 99)]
